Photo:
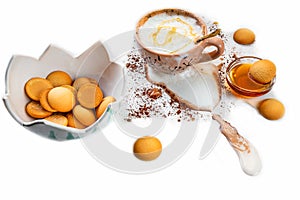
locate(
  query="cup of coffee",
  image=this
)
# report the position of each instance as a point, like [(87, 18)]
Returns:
[(168, 40)]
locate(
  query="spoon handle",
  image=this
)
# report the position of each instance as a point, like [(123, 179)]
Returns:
[(248, 156), (212, 34)]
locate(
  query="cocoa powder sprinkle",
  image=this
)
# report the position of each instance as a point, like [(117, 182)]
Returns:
[(143, 99)]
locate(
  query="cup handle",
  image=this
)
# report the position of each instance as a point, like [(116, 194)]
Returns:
[(213, 41)]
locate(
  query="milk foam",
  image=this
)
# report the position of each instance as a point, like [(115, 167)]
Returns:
[(173, 34)]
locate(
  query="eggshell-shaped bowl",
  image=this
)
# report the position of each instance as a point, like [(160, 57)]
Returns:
[(93, 63)]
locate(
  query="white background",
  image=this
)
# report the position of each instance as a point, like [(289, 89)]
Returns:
[(32, 167)]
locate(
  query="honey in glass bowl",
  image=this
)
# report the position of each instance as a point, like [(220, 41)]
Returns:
[(237, 77)]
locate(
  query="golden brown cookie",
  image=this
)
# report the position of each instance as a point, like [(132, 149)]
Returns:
[(35, 110), (147, 148), (35, 86), (71, 88), (80, 81), (103, 105), (262, 71), (271, 109), (58, 78), (244, 36), (44, 101), (58, 119), (61, 99), (89, 95), (73, 122), (94, 81), (83, 115)]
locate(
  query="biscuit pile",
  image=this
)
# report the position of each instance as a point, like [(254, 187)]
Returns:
[(61, 100)]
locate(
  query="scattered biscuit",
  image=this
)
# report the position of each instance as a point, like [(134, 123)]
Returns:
[(271, 109), (244, 36), (147, 148)]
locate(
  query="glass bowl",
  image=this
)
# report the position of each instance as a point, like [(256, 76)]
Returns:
[(240, 82)]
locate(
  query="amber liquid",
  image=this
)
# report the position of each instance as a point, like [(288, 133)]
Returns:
[(242, 84)]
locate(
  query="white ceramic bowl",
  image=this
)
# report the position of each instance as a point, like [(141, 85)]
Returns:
[(93, 63)]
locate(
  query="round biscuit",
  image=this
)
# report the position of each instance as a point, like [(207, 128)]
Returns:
[(61, 99), (244, 36), (147, 148), (44, 101), (35, 86), (262, 71), (83, 115), (58, 78), (73, 122), (80, 81), (89, 95), (35, 110), (58, 119), (103, 105), (71, 88), (271, 109)]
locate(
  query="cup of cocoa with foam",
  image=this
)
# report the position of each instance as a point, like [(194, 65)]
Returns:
[(169, 40)]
